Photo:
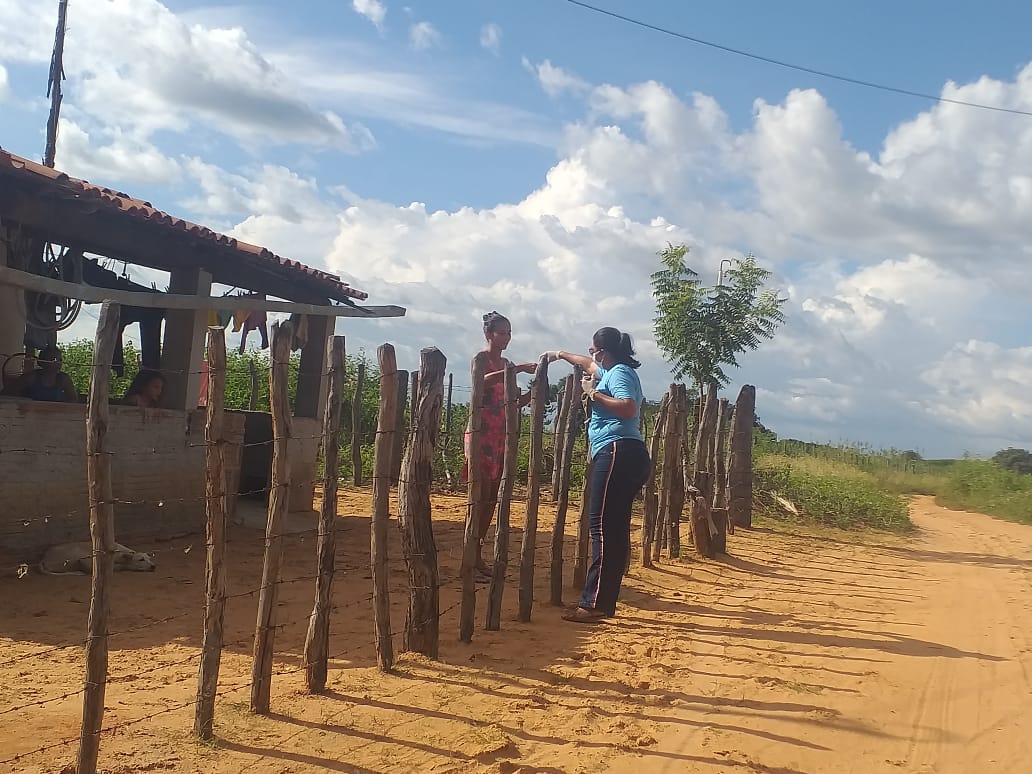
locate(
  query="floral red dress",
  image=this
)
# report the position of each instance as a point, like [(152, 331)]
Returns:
[(492, 436)]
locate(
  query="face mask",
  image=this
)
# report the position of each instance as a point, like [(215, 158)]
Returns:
[(597, 357)]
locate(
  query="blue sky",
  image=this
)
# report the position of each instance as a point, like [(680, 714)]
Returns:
[(550, 159)]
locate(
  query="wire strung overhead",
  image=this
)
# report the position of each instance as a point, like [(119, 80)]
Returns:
[(799, 68)]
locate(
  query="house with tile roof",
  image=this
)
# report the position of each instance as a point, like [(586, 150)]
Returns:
[(55, 233)]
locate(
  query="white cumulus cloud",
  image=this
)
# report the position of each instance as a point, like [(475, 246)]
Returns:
[(555, 81), (141, 68), (424, 35), (491, 38), (905, 266), (373, 10)]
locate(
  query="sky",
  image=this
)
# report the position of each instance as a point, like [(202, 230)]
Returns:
[(532, 157)]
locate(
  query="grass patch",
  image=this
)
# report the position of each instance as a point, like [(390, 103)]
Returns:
[(984, 487), (831, 493)]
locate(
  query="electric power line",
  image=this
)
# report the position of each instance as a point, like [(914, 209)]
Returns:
[(790, 66)]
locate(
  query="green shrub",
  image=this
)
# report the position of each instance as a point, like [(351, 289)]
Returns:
[(828, 492), (984, 487)]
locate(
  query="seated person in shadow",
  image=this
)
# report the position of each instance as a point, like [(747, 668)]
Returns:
[(145, 390), (46, 382)]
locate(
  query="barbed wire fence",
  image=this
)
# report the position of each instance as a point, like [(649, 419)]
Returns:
[(411, 483)]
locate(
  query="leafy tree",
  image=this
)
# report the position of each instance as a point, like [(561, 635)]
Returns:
[(1016, 460), (703, 329)]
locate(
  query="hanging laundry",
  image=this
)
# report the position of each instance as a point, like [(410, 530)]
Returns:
[(254, 320), (299, 324)]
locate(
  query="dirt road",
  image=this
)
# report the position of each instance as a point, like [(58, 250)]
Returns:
[(797, 654)]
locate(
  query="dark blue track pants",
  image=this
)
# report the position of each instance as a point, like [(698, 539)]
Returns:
[(619, 472)]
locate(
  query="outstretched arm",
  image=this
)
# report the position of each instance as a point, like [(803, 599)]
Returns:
[(586, 362), (521, 368)]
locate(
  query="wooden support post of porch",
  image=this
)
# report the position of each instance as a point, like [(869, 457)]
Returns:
[(310, 399), (182, 350)]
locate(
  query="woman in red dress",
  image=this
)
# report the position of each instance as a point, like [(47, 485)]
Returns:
[(491, 454)]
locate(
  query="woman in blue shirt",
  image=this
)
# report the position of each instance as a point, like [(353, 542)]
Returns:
[(620, 465)]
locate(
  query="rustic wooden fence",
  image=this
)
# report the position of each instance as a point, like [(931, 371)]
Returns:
[(701, 446)]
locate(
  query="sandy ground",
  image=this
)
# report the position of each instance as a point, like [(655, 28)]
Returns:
[(798, 653)]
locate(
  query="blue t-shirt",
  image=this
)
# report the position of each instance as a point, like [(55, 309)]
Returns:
[(620, 381)]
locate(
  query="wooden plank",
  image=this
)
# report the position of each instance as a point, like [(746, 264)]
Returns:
[(422, 624), (317, 640), (92, 295), (386, 427), (279, 485), (509, 466), (356, 427), (102, 533), (559, 529), (214, 536), (471, 536), (538, 402)]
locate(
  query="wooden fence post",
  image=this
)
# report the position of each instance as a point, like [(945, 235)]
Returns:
[(413, 394), (252, 372), (102, 532), (356, 427), (386, 430), (559, 530), (679, 477), (651, 509), (719, 468), (580, 566), (265, 629), (740, 473), (704, 443), (662, 532), (720, 452), (509, 467), (214, 537), (399, 426), (672, 504), (703, 528), (471, 537), (317, 640), (447, 431), (562, 413), (538, 401), (422, 626)]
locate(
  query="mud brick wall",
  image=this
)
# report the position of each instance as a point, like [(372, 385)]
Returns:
[(157, 470)]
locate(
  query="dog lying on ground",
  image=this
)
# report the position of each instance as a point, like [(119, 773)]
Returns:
[(77, 559)]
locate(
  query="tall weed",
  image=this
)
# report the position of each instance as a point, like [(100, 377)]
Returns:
[(829, 492)]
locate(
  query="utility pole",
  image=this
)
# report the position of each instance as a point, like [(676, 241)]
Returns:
[(54, 84)]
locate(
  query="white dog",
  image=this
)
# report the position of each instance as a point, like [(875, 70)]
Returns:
[(77, 559)]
